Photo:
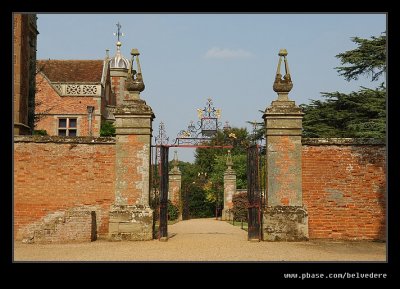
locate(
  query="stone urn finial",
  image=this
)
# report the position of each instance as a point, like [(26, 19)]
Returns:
[(229, 161), (175, 162), (283, 85), (134, 81)]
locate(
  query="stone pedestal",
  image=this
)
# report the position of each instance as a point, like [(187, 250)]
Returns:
[(130, 222), (285, 223), (284, 218)]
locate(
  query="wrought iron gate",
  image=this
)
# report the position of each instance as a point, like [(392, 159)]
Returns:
[(254, 192), (163, 225)]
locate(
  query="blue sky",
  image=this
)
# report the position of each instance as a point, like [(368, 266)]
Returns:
[(231, 58)]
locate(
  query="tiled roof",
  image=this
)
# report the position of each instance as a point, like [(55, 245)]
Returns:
[(71, 70)]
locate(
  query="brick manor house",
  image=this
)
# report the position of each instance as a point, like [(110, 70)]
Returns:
[(75, 96)]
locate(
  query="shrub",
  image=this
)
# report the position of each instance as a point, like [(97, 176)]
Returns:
[(240, 204), (40, 132), (173, 211), (107, 129)]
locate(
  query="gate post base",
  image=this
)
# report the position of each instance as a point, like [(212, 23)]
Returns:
[(254, 240), (130, 222), (226, 215), (285, 223)]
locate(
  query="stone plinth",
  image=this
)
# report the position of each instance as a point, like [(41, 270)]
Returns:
[(132, 222), (285, 223)]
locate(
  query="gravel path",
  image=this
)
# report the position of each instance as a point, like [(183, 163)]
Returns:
[(203, 240)]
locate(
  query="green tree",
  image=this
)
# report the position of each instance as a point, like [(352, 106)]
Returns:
[(238, 138), (202, 182), (360, 114), (195, 203), (107, 129), (368, 58), (239, 165)]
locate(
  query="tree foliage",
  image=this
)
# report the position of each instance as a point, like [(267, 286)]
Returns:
[(40, 132), (195, 203), (107, 129), (360, 114), (205, 158), (173, 211), (369, 58), (203, 181), (240, 204), (213, 160)]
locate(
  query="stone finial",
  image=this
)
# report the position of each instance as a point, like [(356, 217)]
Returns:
[(283, 86), (229, 161), (175, 158), (134, 81), (175, 162), (135, 52)]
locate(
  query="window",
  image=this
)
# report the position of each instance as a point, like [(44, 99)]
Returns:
[(67, 126)]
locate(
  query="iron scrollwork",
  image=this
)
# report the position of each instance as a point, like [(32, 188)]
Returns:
[(207, 126)]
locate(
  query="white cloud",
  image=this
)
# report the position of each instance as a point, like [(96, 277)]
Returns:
[(226, 53)]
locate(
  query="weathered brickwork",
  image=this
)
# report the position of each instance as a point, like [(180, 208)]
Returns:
[(284, 186), (174, 189), (132, 222), (132, 169), (77, 224), (344, 189), (53, 174)]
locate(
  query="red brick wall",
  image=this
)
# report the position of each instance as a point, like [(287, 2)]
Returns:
[(56, 175), (54, 105), (344, 191)]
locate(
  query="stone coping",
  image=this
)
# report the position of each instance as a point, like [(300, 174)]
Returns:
[(342, 141), (64, 139)]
